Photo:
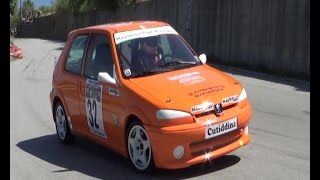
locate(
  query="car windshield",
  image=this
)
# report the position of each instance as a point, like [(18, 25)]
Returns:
[(157, 52)]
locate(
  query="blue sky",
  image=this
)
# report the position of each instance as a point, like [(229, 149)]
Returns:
[(38, 3)]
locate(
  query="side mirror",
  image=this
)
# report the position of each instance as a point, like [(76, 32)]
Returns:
[(203, 58), (105, 77)]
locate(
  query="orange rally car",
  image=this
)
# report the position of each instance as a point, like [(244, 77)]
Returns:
[(139, 89)]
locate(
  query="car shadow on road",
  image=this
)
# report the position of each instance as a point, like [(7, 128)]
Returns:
[(59, 48), (99, 162)]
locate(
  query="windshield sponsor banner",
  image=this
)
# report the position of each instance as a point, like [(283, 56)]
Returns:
[(141, 33)]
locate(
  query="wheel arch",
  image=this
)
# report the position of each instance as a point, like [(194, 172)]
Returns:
[(55, 100), (129, 120)]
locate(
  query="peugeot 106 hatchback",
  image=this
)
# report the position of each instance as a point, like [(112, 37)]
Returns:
[(169, 111)]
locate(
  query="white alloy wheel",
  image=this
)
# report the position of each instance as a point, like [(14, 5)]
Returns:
[(62, 126), (139, 147), (61, 123)]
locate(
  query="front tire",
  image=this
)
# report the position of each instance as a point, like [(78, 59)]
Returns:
[(62, 126), (139, 147)]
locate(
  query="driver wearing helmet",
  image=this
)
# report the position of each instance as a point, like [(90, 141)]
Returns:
[(147, 55)]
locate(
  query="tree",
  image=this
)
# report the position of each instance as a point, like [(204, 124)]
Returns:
[(45, 9), (74, 6), (13, 7), (127, 2), (84, 6), (27, 10), (13, 14)]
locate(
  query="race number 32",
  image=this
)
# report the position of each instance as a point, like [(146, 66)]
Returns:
[(94, 107)]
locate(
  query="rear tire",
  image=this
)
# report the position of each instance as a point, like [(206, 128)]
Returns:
[(139, 147), (62, 125)]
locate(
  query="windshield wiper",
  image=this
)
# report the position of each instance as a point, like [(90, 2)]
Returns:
[(174, 63)]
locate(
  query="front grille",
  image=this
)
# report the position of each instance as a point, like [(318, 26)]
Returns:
[(213, 111), (205, 146), (229, 106), (204, 114)]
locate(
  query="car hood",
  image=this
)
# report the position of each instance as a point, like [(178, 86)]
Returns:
[(190, 90)]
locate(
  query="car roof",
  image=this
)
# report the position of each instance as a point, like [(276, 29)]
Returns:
[(120, 26)]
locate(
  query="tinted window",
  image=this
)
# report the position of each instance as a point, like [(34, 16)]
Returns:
[(74, 60), (99, 57)]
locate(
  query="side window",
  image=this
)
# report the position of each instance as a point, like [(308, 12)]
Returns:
[(99, 57), (125, 53), (75, 55)]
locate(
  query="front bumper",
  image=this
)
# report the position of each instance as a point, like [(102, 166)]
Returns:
[(197, 149)]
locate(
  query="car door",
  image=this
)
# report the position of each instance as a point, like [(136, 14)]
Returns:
[(99, 100), (70, 85)]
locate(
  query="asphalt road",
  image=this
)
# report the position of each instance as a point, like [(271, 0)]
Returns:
[(280, 128)]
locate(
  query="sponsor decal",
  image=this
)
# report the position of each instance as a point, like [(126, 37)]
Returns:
[(192, 80), (204, 107), (122, 23), (231, 99), (181, 76), (207, 91), (114, 92), (188, 78), (94, 107), (141, 33), (115, 120), (142, 26), (127, 72), (221, 128)]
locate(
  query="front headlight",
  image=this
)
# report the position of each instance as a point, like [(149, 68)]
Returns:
[(171, 114), (243, 100), (242, 96), (168, 117)]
